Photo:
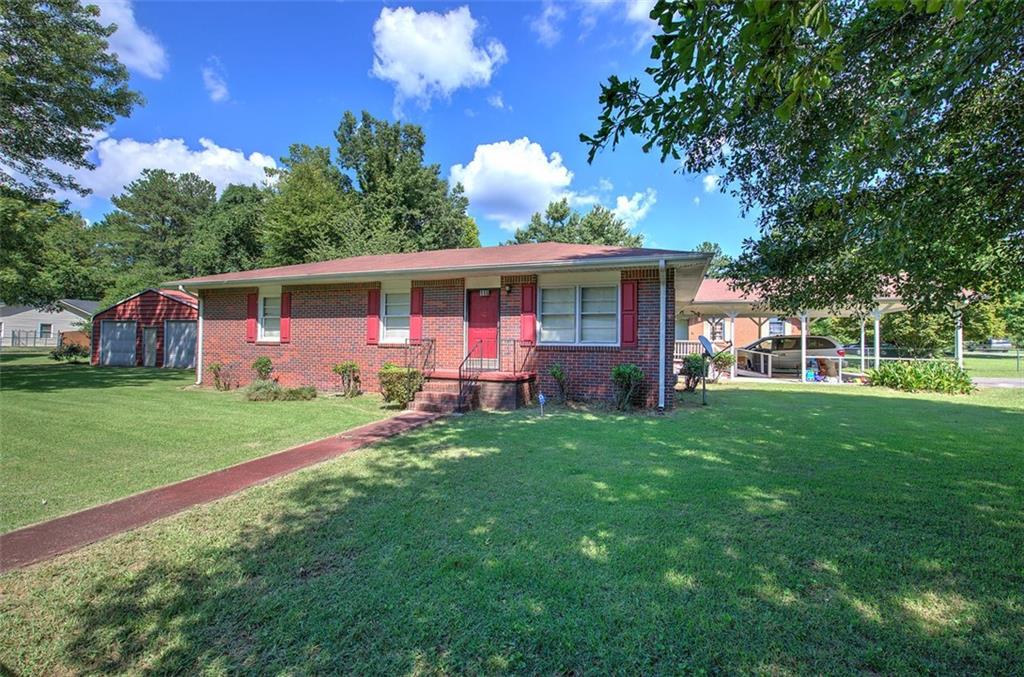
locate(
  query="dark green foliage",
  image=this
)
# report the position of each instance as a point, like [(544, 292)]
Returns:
[(719, 261), (561, 378), (70, 352), (723, 362), (59, 84), (398, 384), (694, 367), (628, 380), (263, 366), (880, 142), (349, 373), (271, 391), (216, 370), (561, 223), (228, 238), (937, 377), (46, 252)]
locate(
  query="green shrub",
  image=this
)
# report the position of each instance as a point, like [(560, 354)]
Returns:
[(694, 367), (70, 352), (938, 377), (723, 362), (398, 385), (263, 366), (628, 380), (265, 390), (557, 372), (216, 369), (349, 373)]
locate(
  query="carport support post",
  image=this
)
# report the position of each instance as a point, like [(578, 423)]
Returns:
[(958, 340), (877, 314), (732, 340), (803, 347), (863, 344)]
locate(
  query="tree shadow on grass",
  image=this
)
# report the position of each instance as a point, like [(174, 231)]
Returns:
[(836, 540), (56, 376)]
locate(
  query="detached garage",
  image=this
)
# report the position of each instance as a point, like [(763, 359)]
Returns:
[(154, 328)]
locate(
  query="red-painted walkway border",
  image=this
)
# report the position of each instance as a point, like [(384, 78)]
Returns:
[(70, 532)]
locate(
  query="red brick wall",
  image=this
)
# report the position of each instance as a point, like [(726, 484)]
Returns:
[(746, 329), (148, 309), (328, 326), (589, 368)]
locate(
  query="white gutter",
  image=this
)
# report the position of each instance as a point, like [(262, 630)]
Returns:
[(199, 345), (430, 273), (661, 337)]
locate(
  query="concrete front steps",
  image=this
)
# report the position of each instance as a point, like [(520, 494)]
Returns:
[(482, 390)]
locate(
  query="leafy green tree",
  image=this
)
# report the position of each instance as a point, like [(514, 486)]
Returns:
[(399, 194), (155, 220), (228, 238), (881, 142), (312, 212), (47, 252), (719, 261), (1013, 317), (561, 223), (59, 85)]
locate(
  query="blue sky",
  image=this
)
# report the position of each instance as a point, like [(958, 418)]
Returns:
[(502, 91)]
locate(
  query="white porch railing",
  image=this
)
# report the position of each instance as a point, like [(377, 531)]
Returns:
[(683, 348)]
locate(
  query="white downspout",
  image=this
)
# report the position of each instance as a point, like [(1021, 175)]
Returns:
[(661, 337), (199, 344)]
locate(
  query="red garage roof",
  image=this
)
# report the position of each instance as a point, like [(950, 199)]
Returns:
[(502, 258), (719, 290)]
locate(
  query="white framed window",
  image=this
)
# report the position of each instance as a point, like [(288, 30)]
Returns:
[(270, 318), (776, 327), (579, 315), (395, 317), (45, 330), (714, 329)]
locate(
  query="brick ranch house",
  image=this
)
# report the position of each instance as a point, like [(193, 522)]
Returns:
[(503, 314)]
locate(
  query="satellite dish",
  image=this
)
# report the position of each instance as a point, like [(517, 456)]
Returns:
[(706, 344)]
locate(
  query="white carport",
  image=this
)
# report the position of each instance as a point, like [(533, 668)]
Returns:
[(717, 299)]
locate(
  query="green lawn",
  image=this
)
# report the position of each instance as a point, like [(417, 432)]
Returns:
[(75, 436), (1004, 364), (783, 529)]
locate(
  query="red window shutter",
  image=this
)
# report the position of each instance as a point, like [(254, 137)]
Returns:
[(252, 300), (528, 314), (416, 315), (286, 317), (372, 316), (629, 314)]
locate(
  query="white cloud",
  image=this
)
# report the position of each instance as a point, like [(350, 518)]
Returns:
[(508, 181), (427, 54), (710, 182), (696, 200), (547, 24), (495, 101), (121, 161), (633, 209), (137, 48), (215, 80), (605, 185)]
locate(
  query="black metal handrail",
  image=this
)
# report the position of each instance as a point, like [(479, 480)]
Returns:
[(419, 355), (464, 368)]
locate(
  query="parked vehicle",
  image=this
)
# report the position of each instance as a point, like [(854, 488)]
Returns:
[(785, 350), (998, 344)]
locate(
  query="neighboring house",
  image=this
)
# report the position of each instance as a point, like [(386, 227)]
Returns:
[(504, 314), (154, 328), (30, 326), (708, 315)]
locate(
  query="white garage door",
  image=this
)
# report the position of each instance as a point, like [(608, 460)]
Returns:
[(117, 344), (180, 344)]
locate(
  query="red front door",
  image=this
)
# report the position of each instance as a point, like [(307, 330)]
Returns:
[(483, 322)]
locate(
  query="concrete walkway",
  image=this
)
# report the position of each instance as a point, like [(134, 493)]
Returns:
[(70, 532), (999, 381)]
